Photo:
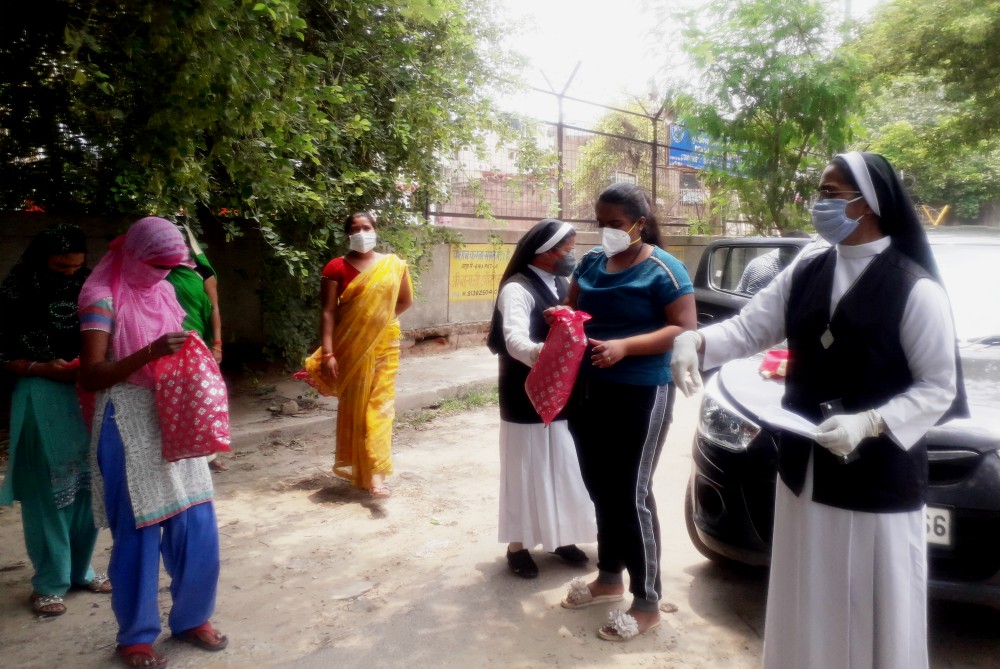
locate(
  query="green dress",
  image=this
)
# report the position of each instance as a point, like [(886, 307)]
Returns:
[(189, 285), (49, 473)]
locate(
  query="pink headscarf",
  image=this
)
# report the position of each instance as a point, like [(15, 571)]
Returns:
[(145, 304)]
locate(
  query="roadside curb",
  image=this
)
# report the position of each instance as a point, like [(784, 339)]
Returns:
[(421, 383)]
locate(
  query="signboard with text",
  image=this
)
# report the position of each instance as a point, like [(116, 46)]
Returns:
[(474, 270), (689, 150)]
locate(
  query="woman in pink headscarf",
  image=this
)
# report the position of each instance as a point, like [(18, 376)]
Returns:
[(129, 318)]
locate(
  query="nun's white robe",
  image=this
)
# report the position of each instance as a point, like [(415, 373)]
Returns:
[(848, 589), (543, 499)]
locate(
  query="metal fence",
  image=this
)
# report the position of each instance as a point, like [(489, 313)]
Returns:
[(565, 155)]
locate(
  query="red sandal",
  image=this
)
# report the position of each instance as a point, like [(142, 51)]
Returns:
[(204, 636), (140, 655)]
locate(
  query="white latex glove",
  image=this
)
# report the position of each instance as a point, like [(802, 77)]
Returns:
[(841, 434), (684, 362)]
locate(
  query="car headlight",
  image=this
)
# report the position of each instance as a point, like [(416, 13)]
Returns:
[(722, 424)]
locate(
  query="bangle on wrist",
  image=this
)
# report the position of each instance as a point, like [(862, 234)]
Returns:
[(326, 356), (217, 342)]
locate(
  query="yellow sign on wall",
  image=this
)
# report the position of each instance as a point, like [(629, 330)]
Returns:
[(474, 271)]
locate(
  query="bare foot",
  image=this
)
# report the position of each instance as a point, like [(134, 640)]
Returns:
[(378, 488), (598, 589), (646, 619)]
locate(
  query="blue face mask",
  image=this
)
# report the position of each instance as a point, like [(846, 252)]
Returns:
[(565, 266), (830, 219)]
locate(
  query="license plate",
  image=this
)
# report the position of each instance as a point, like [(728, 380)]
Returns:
[(938, 526)]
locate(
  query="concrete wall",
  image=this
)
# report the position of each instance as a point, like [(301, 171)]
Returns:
[(436, 320), (238, 263)]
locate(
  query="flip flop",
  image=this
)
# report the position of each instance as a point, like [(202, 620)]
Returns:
[(622, 627), (580, 597), (140, 655), (204, 636)]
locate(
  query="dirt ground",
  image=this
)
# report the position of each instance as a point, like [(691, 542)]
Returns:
[(314, 574)]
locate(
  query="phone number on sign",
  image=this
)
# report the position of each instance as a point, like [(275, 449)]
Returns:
[(488, 291)]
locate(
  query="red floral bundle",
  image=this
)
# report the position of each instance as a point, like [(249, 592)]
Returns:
[(550, 381), (192, 402)]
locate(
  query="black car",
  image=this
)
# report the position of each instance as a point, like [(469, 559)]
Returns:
[(730, 498), (726, 276)]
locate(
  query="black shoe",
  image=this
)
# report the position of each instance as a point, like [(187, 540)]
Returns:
[(571, 554), (520, 563)]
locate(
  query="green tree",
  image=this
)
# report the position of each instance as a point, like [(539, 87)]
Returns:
[(776, 95), (276, 115), (911, 121), (622, 143), (290, 112), (953, 41)]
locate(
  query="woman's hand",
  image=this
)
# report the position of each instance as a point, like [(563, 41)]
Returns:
[(329, 368), (549, 314), (608, 353), (57, 370), (167, 344)]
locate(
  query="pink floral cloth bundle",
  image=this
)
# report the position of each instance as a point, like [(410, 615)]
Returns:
[(192, 402), (550, 381)]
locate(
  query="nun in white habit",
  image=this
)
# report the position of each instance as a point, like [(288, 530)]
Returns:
[(871, 336), (542, 496)]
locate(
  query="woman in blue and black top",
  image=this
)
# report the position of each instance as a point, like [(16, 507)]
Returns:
[(640, 298)]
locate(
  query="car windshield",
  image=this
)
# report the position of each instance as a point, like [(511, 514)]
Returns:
[(971, 274)]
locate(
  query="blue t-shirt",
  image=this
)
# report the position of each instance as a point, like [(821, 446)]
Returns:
[(628, 303)]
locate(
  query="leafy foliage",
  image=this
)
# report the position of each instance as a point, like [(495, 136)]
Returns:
[(776, 94), (278, 115), (912, 123), (953, 41), (288, 112), (622, 143)]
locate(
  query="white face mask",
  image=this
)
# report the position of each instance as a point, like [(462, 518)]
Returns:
[(615, 241), (362, 242)]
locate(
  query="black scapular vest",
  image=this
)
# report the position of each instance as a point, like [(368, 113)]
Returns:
[(864, 367), (515, 407)]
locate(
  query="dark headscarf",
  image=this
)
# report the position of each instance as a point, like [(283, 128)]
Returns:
[(882, 189), (524, 253), (39, 306), (878, 183)]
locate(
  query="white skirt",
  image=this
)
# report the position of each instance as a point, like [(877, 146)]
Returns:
[(848, 589), (542, 496)]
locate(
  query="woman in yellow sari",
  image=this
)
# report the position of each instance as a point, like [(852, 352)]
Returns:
[(363, 293)]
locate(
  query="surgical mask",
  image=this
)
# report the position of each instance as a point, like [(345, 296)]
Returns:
[(615, 241), (565, 266), (362, 242), (830, 219)]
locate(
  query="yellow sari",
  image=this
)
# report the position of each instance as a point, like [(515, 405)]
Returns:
[(366, 345)]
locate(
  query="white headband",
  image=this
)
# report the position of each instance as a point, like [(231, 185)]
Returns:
[(859, 169), (563, 230)]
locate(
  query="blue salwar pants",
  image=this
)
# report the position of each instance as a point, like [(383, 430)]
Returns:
[(188, 542)]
